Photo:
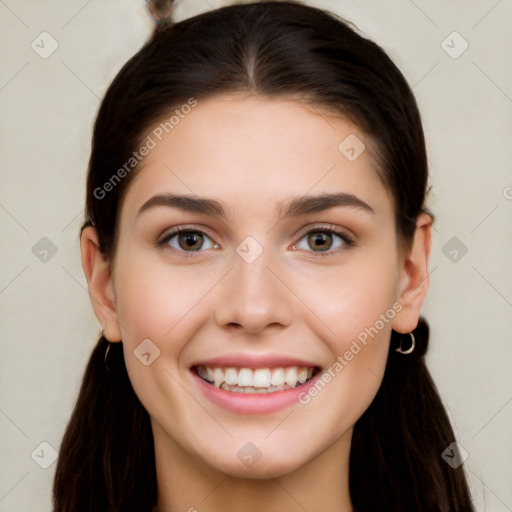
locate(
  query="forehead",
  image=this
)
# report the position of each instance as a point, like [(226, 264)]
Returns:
[(259, 151)]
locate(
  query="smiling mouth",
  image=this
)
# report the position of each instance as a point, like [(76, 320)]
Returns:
[(258, 380)]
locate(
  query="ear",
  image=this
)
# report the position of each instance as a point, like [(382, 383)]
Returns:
[(100, 284), (414, 281)]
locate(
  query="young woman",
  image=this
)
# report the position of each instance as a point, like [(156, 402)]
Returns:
[(256, 247)]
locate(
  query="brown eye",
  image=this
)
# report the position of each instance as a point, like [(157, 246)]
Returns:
[(190, 240), (186, 240), (320, 239), (328, 240)]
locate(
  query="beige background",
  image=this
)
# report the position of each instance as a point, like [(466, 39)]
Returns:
[(48, 106)]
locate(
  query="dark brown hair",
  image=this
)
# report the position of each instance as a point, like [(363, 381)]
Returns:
[(274, 49)]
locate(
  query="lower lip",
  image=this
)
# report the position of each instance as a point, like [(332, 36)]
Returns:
[(253, 403)]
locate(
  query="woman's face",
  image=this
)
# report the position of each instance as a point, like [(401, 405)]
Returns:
[(288, 270)]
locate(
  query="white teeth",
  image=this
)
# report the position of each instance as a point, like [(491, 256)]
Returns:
[(218, 377), (245, 377), (231, 376), (278, 377), (252, 389), (260, 380), (291, 376), (201, 370), (302, 375)]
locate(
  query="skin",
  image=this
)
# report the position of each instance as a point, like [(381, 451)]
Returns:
[(252, 154)]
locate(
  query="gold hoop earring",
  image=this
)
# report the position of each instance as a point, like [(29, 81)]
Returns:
[(105, 358), (410, 349)]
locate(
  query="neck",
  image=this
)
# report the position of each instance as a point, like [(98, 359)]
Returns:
[(187, 483)]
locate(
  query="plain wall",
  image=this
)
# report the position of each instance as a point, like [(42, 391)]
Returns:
[(48, 106)]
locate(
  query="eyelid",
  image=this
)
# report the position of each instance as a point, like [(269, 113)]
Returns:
[(183, 227), (325, 227)]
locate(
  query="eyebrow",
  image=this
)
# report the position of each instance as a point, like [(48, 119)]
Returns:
[(294, 207)]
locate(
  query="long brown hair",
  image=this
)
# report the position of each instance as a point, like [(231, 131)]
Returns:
[(275, 49)]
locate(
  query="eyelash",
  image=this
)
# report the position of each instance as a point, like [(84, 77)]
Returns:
[(348, 241)]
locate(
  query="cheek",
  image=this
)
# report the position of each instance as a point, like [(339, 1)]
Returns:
[(355, 304), (155, 306), (163, 304), (155, 298), (353, 298)]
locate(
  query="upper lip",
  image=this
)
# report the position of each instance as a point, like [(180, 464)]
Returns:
[(253, 361)]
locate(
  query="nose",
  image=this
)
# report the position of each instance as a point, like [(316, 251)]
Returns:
[(254, 296)]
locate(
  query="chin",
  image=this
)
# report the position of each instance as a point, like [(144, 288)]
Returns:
[(250, 462), (262, 469)]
